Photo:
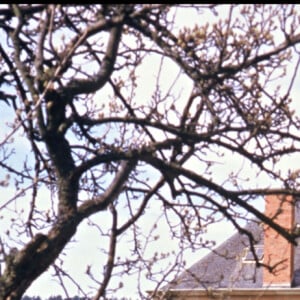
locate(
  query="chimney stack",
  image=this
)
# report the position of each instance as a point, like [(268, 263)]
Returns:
[(278, 251)]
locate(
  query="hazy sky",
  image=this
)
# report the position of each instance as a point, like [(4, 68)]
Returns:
[(87, 251)]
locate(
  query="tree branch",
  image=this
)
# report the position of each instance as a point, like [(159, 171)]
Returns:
[(111, 254), (176, 170), (112, 192), (85, 86)]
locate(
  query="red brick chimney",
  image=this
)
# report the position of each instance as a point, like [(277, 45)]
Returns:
[(277, 250)]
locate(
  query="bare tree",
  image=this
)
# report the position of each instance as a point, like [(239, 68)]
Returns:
[(89, 135)]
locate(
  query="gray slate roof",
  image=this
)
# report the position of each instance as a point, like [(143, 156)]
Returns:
[(224, 267)]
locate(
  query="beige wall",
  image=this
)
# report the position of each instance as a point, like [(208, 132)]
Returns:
[(225, 294)]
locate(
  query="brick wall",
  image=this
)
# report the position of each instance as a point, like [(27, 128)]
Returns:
[(278, 252)]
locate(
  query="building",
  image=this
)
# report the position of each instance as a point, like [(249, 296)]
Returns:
[(230, 271)]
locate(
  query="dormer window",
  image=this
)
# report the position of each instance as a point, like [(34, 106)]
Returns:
[(249, 256)]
